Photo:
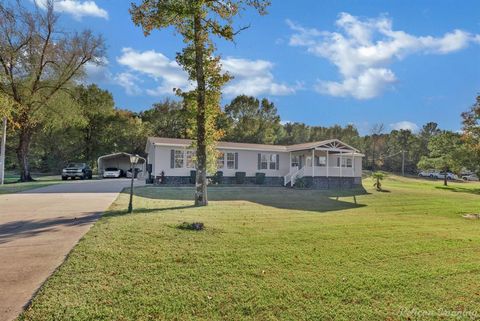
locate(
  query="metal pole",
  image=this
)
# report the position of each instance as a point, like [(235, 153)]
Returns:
[(130, 206), (2, 151), (403, 163)]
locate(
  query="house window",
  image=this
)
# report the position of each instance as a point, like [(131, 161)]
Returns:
[(268, 161), (273, 161), (346, 162), (264, 161), (231, 160), (295, 161), (220, 160), (190, 159), (178, 160), (349, 162), (320, 161)]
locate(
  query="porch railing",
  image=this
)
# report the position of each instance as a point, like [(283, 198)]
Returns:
[(292, 176)]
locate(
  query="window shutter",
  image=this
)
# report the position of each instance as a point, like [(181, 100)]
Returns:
[(259, 165), (236, 160), (172, 158), (278, 162)]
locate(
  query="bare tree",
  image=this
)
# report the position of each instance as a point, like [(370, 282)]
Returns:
[(38, 61)]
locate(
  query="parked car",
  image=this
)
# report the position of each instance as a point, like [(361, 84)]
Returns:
[(427, 173), (470, 177), (137, 172), (74, 170), (112, 172), (441, 175)]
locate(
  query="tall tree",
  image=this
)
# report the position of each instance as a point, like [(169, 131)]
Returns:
[(38, 60), (197, 21), (96, 108), (252, 120), (445, 153), (167, 118), (376, 132), (471, 135)]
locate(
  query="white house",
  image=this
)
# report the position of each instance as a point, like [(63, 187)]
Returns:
[(323, 164)]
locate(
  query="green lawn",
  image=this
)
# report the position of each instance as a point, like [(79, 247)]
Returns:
[(277, 254), (12, 186)]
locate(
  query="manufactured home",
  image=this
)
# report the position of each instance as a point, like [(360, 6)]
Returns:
[(323, 164)]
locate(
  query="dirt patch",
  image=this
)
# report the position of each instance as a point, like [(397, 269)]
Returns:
[(471, 216)]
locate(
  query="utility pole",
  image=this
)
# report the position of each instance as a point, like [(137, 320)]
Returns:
[(403, 163), (2, 151)]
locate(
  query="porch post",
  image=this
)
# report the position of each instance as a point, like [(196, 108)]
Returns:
[(327, 164), (313, 162), (353, 164), (341, 159), (290, 164)]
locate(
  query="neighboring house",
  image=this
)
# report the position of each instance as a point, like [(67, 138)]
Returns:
[(323, 164)]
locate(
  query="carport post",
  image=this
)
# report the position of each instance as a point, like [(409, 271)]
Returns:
[(2, 151)]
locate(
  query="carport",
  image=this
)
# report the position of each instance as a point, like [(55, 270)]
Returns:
[(121, 161)]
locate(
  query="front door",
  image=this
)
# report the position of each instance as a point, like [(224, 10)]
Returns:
[(309, 161)]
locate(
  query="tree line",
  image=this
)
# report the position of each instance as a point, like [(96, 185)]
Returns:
[(96, 128)]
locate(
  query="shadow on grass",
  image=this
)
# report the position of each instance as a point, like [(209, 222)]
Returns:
[(278, 197), (459, 189)]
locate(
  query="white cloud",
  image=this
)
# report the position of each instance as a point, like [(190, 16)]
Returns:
[(366, 85), (129, 82), (406, 125), (78, 9), (362, 50), (251, 77)]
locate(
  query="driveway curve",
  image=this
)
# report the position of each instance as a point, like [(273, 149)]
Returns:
[(39, 227)]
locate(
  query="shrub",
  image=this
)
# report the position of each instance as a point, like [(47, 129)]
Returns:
[(240, 177), (195, 226), (259, 178), (301, 183), (193, 177), (378, 177), (217, 178)]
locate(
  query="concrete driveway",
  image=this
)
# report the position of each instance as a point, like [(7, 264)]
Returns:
[(39, 227)]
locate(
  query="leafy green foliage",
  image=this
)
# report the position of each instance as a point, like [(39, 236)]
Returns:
[(471, 135), (446, 152), (252, 121), (378, 178)]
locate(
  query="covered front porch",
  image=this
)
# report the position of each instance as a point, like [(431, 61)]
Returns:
[(328, 159)]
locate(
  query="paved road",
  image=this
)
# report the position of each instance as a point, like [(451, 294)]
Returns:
[(38, 228)]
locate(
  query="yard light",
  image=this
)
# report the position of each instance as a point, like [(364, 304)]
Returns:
[(133, 161)]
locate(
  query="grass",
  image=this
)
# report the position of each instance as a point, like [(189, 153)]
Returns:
[(13, 186), (276, 254)]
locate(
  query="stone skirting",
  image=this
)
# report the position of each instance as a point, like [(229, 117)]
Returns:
[(321, 182), (317, 182), (226, 180)]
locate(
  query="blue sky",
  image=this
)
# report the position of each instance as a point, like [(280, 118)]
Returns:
[(401, 63)]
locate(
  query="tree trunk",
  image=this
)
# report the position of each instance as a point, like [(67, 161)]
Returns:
[(201, 178), (445, 179), (373, 154), (22, 155)]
